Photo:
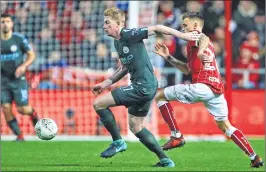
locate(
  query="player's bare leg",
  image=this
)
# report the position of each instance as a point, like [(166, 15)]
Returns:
[(101, 106), (12, 121), (28, 110), (176, 138), (239, 139), (148, 140)]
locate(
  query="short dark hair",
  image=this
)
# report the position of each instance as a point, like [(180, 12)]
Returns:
[(192, 15), (5, 15)]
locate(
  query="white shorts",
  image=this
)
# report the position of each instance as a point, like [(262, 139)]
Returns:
[(194, 93)]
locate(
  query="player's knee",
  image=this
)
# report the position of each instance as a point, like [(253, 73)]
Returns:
[(7, 108), (223, 125), (98, 104), (25, 110), (159, 96), (135, 128)]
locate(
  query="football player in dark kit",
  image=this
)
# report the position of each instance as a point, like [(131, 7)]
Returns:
[(14, 86), (137, 97)]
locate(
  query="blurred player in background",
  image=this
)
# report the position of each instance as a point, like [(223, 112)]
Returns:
[(137, 96), (13, 67), (207, 87)]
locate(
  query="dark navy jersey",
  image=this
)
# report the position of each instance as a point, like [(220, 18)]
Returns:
[(12, 53), (133, 54)]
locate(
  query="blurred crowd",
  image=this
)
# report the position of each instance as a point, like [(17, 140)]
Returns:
[(66, 30), (69, 33)]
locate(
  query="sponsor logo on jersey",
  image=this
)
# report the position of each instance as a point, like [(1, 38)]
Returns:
[(125, 49), (214, 79), (126, 60), (8, 57), (13, 48)]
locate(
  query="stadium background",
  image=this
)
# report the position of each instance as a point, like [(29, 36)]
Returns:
[(73, 54)]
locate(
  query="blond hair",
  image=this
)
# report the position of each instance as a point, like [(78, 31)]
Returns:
[(116, 14)]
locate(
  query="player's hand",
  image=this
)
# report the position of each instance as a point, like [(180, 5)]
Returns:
[(191, 36), (97, 89), (162, 50), (205, 58), (20, 71)]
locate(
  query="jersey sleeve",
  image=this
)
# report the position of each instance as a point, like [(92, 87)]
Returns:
[(135, 35), (25, 46)]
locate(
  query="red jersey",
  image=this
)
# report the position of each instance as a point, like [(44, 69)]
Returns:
[(207, 73)]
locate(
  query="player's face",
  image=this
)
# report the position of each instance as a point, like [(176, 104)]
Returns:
[(188, 25), (6, 24), (110, 26)]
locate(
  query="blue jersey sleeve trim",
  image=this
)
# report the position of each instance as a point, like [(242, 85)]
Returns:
[(19, 35)]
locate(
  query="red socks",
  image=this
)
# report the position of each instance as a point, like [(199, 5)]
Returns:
[(240, 140), (168, 115)]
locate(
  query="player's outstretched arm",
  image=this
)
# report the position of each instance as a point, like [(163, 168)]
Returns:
[(163, 51), (23, 67), (190, 36), (119, 74)]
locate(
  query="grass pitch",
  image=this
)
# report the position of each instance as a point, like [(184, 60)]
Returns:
[(84, 156)]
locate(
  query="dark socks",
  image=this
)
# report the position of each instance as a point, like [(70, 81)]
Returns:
[(13, 124), (147, 138), (109, 122), (34, 117)]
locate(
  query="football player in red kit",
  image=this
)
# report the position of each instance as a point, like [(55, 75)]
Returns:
[(207, 87)]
